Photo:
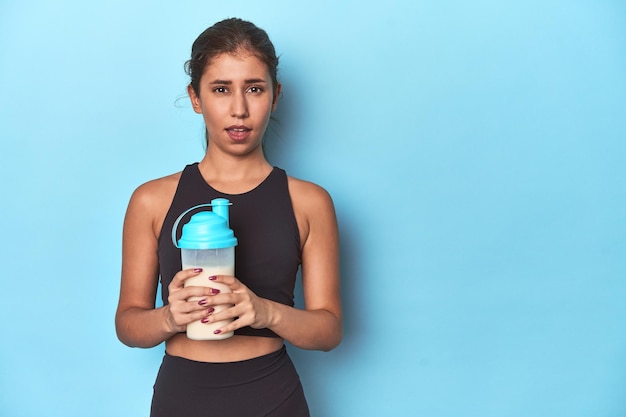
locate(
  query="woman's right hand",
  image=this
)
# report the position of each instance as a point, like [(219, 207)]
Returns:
[(186, 304)]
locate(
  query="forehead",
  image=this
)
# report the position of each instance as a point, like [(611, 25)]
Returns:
[(241, 65)]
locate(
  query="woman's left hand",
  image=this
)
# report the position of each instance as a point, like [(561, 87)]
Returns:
[(248, 309)]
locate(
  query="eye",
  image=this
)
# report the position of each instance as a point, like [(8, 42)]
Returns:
[(255, 89), (220, 90)]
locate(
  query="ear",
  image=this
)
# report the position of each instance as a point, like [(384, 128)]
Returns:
[(279, 88), (195, 100)]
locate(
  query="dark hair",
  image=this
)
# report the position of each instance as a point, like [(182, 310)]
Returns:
[(230, 36)]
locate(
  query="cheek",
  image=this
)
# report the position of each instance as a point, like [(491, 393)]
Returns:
[(212, 124), (212, 114), (263, 107)]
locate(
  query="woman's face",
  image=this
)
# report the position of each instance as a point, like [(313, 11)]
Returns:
[(236, 98)]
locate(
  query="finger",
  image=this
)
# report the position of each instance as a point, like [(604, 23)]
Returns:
[(228, 299), (230, 327), (201, 296), (184, 313), (227, 280), (223, 312), (197, 315), (189, 299), (182, 276)]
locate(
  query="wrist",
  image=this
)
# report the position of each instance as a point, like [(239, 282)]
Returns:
[(169, 327), (273, 314)]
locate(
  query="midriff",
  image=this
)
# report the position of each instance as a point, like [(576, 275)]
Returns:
[(233, 349)]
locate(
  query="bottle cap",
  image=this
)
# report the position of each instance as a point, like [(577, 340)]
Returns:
[(207, 230)]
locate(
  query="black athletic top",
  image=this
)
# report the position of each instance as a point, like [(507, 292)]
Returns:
[(267, 256)]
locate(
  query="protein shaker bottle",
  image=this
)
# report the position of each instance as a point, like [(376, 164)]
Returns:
[(207, 242)]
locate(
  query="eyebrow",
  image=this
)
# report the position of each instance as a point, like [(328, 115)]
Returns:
[(228, 82)]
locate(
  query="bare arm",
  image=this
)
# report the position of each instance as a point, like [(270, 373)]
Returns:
[(319, 326), (138, 323)]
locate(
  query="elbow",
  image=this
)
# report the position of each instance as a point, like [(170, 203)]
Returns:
[(129, 341), (334, 338), (125, 334), (133, 331), (122, 333), (334, 341), (124, 340), (122, 337), (330, 346)]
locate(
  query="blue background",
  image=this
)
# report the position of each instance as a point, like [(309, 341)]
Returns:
[(475, 152)]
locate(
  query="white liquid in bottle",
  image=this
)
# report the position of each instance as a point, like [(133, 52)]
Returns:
[(205, 331)]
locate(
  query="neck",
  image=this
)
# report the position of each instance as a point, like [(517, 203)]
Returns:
[(234, 171)]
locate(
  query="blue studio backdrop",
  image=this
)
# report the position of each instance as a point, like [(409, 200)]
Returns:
[(475, 152)]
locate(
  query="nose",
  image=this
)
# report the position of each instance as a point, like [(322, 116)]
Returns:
[(239, 106)]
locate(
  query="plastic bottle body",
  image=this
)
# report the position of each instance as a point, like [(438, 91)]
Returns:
[(213, 262)]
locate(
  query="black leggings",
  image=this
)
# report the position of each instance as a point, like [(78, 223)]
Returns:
[(265, 386)]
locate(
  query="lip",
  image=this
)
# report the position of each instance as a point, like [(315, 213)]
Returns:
[(238, 133)]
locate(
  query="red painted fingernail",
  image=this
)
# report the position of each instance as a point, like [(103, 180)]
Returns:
[(212, 277), (197, 270), (205, 320), (202, 302), (210, 310), (218, 331), (215, 291)]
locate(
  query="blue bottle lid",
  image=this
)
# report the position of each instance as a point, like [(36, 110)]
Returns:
[(208, 229)]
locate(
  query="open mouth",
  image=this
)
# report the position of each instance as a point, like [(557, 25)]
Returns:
[(238, 133)]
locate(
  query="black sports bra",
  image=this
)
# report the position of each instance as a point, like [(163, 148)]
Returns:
[(267, 256)]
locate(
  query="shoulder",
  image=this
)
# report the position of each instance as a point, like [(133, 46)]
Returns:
[(308, 194), (151, 192), (315, 215), (150, 201), (312, 206)]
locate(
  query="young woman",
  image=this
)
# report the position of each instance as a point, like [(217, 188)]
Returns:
[(281, 223)]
